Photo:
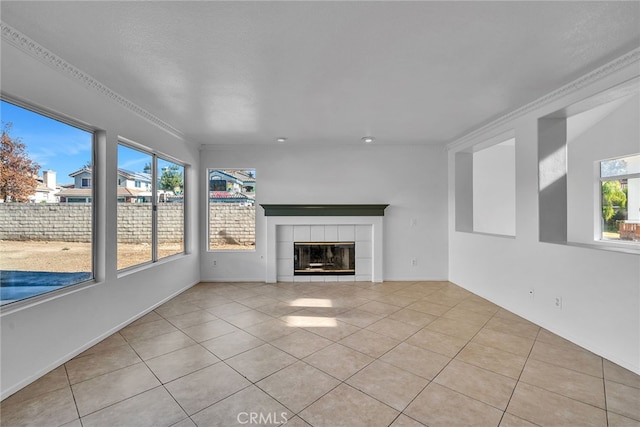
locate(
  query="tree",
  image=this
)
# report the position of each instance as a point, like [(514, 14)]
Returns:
[(613, 196), (171, 179), (147, 168), (18, 172)]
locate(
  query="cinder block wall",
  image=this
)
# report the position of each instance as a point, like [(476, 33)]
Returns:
[(52, 221), (71, 222), (232, 224)]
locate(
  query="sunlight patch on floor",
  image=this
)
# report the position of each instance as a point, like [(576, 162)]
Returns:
[(311, 302), (311, 322)]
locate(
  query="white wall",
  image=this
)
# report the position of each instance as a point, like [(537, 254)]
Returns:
[(411, 179), (494, 189), (41, 336), (600, 289)]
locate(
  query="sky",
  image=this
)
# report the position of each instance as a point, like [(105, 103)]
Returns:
[(58, 146)]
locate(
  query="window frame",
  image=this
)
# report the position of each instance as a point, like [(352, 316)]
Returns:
[(155, 155), (600, 180), (96, 133), (208, 192)]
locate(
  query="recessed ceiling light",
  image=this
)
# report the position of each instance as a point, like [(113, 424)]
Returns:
[(368, 139), (281, 139)]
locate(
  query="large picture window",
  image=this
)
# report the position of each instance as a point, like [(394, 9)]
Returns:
[(232, 211), (620, 198), (151, 212), (46, 204)]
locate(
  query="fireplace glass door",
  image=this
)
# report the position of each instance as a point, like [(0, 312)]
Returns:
[(324, 258)]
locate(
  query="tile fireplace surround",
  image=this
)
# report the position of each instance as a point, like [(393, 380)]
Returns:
[(324, 223)]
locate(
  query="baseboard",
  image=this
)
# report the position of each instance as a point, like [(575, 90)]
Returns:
[(88, 345)]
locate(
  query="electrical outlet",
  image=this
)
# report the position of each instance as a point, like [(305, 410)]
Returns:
[(532, 293), (558, 303), (413, 222), (414, 262), (215, 263)]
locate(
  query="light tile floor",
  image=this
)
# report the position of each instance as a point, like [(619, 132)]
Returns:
[(330, 354)]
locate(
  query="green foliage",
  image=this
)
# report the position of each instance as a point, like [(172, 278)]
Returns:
[(614, 200), (171, 179)]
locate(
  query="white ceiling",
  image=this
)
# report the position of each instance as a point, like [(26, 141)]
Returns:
[(330, 72)]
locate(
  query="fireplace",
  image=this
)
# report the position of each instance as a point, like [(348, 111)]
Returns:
[(287, 224), (323, 258)]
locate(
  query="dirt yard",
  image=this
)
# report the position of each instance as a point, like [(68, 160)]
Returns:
[(66, 257)]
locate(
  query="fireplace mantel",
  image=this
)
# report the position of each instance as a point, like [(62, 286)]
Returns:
[(323, 210)]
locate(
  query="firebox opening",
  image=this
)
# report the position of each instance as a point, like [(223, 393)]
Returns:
[(311, 258)]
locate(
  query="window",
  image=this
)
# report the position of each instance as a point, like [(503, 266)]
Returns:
[(620, 199), (217, 184), (232, 213), (86, 183), (170, 202), (135, 212), (150, 207), (586, 155), (51, 245)]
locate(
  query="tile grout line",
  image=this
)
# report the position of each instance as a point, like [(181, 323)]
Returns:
[(520, 376), (604, 387), (340, 382), (445, 294), (73, 395), (447, 364)]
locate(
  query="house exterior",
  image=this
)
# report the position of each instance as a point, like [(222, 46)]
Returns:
[(133, 187), (47, 190), (140, 181), (232, 186)]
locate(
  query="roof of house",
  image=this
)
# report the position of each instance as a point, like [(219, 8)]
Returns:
[(138, 176), (240, 175), (76, 192), (231, 195), (44, 189), (244, 176), (78, 172)]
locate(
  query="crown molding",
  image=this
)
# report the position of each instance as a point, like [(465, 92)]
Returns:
[(35, 50), (584, 81)]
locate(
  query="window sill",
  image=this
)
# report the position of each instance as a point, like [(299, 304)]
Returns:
[(145, 265), (232, 251), (480, 233), (26, 303), (627, 248)]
